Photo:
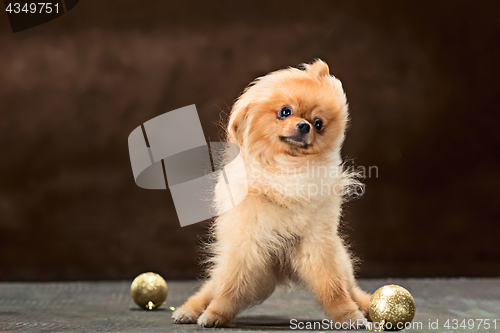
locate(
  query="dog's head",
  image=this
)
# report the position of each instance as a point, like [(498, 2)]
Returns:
[(290, 113)]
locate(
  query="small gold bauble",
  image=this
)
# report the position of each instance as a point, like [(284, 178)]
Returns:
[(393, 306), (149, 290)]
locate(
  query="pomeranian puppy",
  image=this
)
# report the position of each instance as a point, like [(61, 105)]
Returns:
[(290, 127)]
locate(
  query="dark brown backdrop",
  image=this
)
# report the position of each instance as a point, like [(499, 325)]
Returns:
[(421, 78)]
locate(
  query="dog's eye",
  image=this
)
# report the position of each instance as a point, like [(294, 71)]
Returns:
[(318, 124), (285, 112)]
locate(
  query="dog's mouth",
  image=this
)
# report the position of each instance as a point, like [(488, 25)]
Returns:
[(295, 141)]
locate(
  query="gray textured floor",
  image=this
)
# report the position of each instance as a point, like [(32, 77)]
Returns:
[(107, 306)]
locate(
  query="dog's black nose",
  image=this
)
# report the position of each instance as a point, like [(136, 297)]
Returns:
[(303, 127)]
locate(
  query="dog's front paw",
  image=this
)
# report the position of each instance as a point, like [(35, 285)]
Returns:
[(213, 319), (185, 315), (354, 320)]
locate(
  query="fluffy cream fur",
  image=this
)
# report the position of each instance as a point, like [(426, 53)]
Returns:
[(286, 229)]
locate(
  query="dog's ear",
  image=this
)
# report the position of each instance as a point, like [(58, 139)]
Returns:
[(318, 68), (235, 127)]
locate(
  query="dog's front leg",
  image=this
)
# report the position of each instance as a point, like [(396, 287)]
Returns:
[(321, 265), (195, 305), (241, 277)]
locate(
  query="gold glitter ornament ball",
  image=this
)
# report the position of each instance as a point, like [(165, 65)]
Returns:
[(392, 304), (149, 290)]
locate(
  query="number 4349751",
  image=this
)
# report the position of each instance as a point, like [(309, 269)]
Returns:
[(471, 324), (33, 7)]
